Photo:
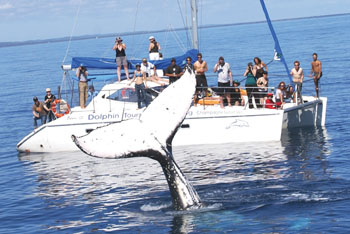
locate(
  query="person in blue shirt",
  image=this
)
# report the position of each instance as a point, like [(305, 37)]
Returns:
[(92, 93)]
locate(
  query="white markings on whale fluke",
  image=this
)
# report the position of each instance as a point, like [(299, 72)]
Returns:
[(151, 136)]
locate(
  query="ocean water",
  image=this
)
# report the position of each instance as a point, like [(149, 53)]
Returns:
[(298, 185)]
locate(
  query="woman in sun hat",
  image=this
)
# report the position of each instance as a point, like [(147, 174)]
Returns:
[(120, 57)]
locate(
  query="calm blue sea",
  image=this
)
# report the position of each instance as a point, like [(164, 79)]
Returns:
[(298, 185)]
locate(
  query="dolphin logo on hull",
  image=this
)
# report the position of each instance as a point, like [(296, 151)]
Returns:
[(151, 136)]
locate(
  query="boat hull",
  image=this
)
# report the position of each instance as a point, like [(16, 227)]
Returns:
[(310, 113), (216, 126), (202, 125)]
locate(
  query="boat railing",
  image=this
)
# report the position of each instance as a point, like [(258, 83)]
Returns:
[(127, 95)]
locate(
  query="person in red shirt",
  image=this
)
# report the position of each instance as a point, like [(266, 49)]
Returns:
[(269, 103)]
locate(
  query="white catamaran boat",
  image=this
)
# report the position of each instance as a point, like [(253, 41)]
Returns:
[(206, 123)]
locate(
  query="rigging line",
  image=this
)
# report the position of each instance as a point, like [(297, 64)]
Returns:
[(277, 45), (133, 35), (73, 29), (178, 40), (186, 28), (182, 17), (199, 28), (164, 48)]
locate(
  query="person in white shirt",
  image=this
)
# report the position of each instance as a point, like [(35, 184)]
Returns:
[(150, 72), (224, 80), (298, 77)]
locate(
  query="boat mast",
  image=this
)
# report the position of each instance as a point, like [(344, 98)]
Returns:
[(194, 11)]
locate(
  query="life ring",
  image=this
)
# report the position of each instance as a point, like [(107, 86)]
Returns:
[(63, 106)]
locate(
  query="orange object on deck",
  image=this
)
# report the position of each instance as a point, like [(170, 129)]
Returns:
[(209, 101)]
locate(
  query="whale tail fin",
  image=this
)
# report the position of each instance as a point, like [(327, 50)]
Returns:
[(150, 136), (154, 130)]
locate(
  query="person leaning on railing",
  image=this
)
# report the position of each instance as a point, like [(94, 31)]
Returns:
[(262, 83)]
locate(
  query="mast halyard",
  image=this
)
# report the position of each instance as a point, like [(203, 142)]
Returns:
[(277, 44), (194, 11)]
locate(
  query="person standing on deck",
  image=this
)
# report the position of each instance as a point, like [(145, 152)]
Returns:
[(39, 112), (82, 74), (153, 49), (140, 85), (48, 100), (250, 83), (173, 71), (316, 70), (120, 57), (200, 67), (224, 80), (188, 66), (298, 77), (259, 67)]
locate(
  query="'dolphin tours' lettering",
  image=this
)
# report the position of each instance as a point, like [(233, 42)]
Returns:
[(103, 116)]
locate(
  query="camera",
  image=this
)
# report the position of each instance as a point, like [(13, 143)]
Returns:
[(83, 69)]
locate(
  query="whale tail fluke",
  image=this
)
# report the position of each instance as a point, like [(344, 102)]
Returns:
[(150, 136)]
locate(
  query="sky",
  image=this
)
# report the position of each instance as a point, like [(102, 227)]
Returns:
[(22, 20)]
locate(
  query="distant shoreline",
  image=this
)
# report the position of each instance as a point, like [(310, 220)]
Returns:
[(86, 37)]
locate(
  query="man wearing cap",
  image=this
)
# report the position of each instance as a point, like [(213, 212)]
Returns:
[(269, 103), (48, 100), (224, 80), (173, 71), (150, 72), (147, 68), (82, 74), (120, 57), (39, 112), (153, 49)]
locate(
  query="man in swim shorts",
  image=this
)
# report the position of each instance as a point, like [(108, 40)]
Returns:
[(200, 67), (316, 70)]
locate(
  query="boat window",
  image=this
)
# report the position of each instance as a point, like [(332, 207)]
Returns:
[(126, 94)]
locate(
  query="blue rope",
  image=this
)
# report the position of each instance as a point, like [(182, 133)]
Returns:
[(277, 45)]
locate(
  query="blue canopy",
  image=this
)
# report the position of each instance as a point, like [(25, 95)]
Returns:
[(108, 63)]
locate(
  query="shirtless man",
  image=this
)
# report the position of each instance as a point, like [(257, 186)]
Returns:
[(200, 67), (298, 76), (316, 69)]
